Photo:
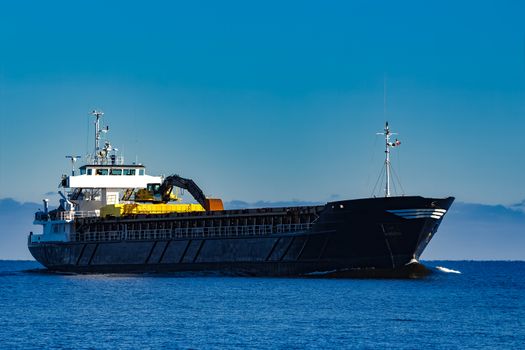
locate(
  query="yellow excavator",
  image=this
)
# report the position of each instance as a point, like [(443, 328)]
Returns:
[(155, 197), (163, 193)]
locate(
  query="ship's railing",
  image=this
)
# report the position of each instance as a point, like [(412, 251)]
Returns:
[(87, 213), (193, 232), (70, 215)]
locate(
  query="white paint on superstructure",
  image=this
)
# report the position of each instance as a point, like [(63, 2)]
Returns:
[(100, 182), (53, 230), (112, 181)]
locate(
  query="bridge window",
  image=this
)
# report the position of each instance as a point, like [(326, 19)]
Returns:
[(141, 172), (116, 172), (102, 171), (89, 171), (129, 171), (82, 171)]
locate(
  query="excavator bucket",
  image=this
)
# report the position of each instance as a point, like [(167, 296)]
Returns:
[(214, 204)]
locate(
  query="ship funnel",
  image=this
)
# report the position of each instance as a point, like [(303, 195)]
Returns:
[(46, 205)]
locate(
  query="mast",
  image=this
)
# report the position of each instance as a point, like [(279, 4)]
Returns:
[(97, 114), (388, 145), (387, 159)]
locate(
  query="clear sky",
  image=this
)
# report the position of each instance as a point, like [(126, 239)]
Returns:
[(269, 100)]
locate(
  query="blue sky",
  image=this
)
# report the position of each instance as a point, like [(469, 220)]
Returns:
[(269, 100)]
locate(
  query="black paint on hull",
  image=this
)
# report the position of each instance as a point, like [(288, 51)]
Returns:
[(349, 237)]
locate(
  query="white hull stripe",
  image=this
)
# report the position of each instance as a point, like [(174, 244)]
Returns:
[(419, 213)]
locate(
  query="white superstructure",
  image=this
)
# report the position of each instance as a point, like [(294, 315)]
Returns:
[(114, 177), (105, 179)]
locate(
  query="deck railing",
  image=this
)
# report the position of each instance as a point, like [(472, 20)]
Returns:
[(65, 215), (70, 215), (193, 232)]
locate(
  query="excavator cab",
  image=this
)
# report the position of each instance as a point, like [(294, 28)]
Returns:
[(147, 194), (153, 194), (153, 188)]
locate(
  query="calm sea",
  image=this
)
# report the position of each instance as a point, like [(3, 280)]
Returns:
[(482, 307)]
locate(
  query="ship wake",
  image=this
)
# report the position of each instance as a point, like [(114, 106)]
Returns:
[(447, 270)]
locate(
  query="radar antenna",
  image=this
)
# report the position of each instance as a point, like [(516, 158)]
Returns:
[(73, 161)]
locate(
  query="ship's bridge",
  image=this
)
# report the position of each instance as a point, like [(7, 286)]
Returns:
[(111, 176)]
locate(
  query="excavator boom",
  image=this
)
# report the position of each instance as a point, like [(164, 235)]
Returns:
[(188, 184)]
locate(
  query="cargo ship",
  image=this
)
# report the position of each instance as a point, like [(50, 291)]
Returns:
[(115, 218)]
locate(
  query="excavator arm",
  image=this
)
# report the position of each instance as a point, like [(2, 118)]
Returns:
[(189, 185)]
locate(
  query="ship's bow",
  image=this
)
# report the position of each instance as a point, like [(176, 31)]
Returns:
[(384, 233)]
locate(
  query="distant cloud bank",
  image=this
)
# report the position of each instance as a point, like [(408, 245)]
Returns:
[(480, 232), (519, 206), (469, 231)]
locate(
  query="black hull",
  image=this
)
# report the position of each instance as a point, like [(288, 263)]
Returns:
[(348, 236)]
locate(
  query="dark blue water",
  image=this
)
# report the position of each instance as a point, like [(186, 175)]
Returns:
[(483, 307)]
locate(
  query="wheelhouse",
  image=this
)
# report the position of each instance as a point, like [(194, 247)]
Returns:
[(113, 170)]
